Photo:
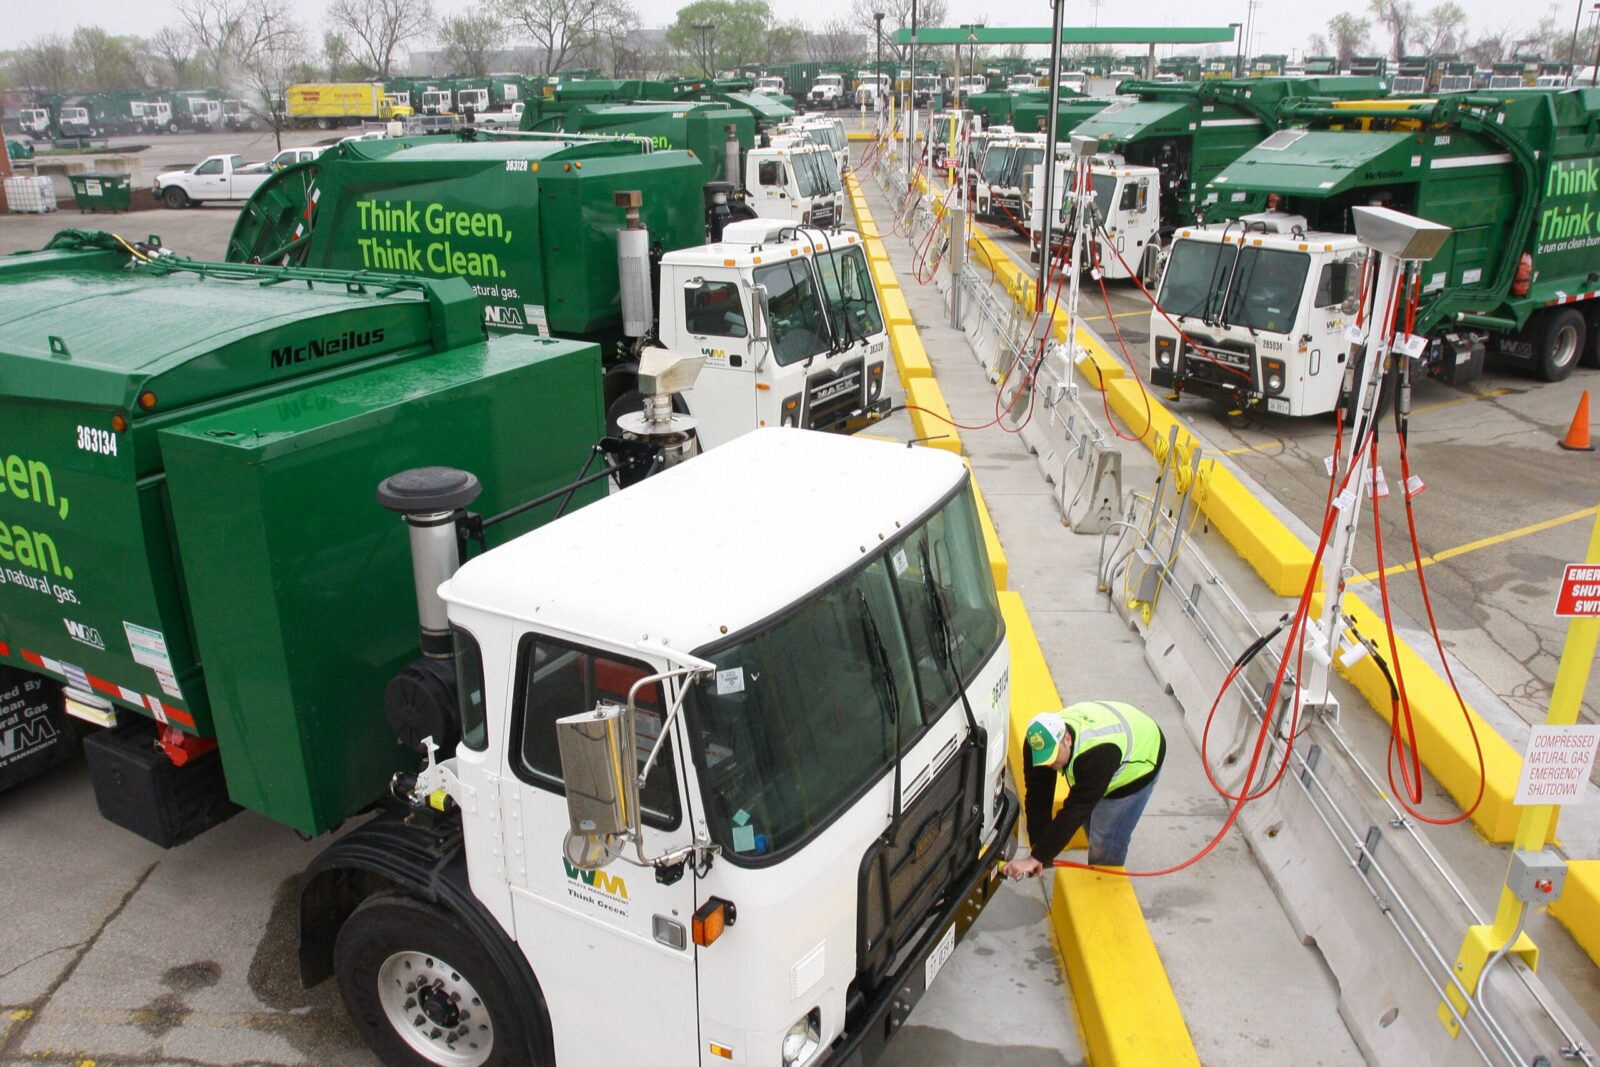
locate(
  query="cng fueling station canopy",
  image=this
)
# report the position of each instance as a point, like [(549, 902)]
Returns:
[(1149, 36)]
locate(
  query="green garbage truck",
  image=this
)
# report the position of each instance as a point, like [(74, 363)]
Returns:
[(535, 225), (234, 542), (1191, 131), (1512, 174)]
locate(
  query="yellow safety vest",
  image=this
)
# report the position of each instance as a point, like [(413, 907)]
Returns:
[(1109, 722)]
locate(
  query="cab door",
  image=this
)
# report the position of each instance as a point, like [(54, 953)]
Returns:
[(713, 321), (774, 184), (589, 933)]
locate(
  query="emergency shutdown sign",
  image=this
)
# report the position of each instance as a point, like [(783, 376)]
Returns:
[(1556, 768), (1580, 592)]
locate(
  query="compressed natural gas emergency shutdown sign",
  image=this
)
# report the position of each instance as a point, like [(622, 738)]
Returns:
[(1580, 592), (1556, 768)]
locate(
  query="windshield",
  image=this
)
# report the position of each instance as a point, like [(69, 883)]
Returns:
[(996, 162), (1267, 288), (848, 283), (1409, 85), (796, 326), (1196, 275), (1455, 82), (803, 712), (811, 175), (1022, 164), (1105, 188)]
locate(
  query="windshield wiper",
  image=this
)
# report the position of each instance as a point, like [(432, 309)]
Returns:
[(891, 694), (941, 622)]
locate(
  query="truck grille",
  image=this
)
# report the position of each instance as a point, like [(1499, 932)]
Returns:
[(833, 396), (1199, 369), (903, 883), (822, 216)]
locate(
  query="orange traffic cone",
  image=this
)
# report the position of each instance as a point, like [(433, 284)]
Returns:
[(1577, 439)]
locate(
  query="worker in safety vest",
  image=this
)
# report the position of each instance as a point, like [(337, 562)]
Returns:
[(1111, 754)]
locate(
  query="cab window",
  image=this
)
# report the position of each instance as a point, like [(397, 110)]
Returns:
[(556, 679), (714, 309), (771, 173), (210, 166)]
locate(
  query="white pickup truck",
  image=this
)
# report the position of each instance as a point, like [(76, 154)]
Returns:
[(217, 178)]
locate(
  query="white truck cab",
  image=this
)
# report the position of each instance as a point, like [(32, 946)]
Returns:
[(872, 90), (733, 755), (1006, 166), (154, 116), (829, 132), (946, 134), (1021, 81), (789, 324), (1267, 302), (1127, 204), (437, 102), (772, 86), (1076, 80), (474, 100), (827, 91), (205, 114), (35, 122), (795, 179)]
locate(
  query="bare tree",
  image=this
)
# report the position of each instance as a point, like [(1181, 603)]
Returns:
[(1399, 17), (377, 28), (837, 40), (470, 40), (616, 31), (1443, 28), (175, 48), (230, 34), (1491, 46), (897, 16), (46, 63), (1316, 45), (562, 27), (272, 65), (1348, 34)]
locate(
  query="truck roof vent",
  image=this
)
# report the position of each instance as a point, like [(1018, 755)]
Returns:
[(754, 231), (1281, 140), (1274, 222)]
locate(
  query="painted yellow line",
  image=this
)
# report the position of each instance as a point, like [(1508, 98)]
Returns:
[(1113, 315), (1274, 443), (1490, 395), (1481, 543)]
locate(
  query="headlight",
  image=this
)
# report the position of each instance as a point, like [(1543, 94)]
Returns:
[(803, 1039), (1273, 371), (1274, 383), (1164, 347)]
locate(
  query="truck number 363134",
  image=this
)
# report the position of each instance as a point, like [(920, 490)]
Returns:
[(93, 439)]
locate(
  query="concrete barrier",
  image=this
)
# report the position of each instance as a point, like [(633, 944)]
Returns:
[(930, 415), (1579, 906)]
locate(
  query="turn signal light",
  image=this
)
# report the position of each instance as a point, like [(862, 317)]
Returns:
[(1523, 279), (711, 918), (147, 400)]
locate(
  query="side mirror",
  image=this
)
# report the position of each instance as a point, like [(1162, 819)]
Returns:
[(594, 760), (761, 315)]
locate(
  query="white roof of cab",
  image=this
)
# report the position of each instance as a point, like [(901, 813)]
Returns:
[(713, 545)]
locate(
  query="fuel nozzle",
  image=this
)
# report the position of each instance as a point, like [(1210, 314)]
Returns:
[(661, 374)]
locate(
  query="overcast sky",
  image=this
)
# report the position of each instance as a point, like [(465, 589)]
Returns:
[(1282, 25)]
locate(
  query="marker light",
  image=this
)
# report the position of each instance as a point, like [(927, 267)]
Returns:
[(711, 918)]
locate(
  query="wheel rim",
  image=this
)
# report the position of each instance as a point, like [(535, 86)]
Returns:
[(1565, 347), (435, 1010)]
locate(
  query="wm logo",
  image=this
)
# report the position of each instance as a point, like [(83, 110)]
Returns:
[(29, 735), (495, 315), (85, 635), (610, 885)]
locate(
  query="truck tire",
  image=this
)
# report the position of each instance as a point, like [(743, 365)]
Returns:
[(1591, 345), (172, 127), (1558, 343), (412, 976), (174, 198)]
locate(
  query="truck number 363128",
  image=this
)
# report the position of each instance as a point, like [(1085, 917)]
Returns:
[(93, 439)]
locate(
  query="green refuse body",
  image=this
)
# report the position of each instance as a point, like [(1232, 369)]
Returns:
[(530, 224), (102, 192), (188, 455)]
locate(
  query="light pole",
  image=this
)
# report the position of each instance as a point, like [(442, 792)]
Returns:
[(877, 88), (911, 98), (705, 52), (1238, 45), (1572, 49), (1594, 71)]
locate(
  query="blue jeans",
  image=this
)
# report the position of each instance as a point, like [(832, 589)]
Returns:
[(1111, 826)]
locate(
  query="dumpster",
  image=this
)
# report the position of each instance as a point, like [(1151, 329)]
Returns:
[(19, 150), (101, 192)]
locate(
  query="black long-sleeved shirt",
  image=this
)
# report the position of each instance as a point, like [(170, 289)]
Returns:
[(1093, 771)]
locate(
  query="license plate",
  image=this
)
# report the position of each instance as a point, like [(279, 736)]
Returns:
[(936, 959), (1278, 407)]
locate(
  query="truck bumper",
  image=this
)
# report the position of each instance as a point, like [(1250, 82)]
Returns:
[(870, 1025)]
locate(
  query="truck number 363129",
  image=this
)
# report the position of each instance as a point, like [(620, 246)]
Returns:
[(93, 439)]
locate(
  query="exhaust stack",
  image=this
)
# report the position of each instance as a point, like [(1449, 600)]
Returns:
[(633, 268), (733, 155), (430, 500)]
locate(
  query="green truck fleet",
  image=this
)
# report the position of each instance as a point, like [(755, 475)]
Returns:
[(231, 550), (1269, 293)]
